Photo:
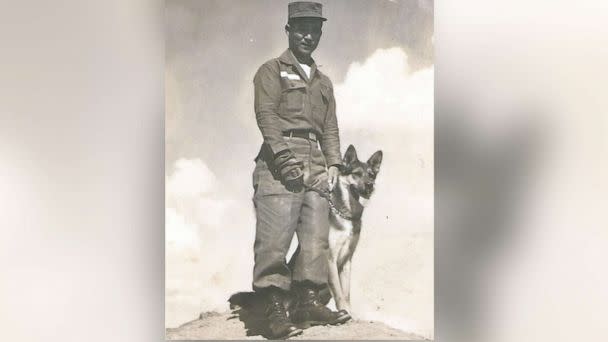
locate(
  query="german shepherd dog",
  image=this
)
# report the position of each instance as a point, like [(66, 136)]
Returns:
[(351, 193), (347, 200)]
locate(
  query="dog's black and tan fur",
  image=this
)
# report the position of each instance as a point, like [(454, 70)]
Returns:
[(354, 188)]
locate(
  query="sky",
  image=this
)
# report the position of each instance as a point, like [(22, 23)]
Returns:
[(379, 56)]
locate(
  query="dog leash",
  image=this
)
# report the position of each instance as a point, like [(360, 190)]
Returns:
[(324, 193), (327, 195)]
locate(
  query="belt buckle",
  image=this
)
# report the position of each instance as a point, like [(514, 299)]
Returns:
[(312, 136)]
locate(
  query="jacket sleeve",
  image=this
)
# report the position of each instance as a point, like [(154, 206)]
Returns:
[(330, 143), (267, 89)]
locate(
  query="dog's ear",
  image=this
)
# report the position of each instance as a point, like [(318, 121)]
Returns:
[(350, 156), (374, 161)]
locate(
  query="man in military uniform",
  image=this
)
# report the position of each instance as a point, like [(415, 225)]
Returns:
[(295, 111)]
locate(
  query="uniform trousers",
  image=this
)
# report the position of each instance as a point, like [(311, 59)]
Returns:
[(280, 213)]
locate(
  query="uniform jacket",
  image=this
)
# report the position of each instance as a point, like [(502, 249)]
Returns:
[(286, 99)]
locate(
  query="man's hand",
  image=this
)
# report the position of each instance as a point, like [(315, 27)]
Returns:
[(290, 169), (332, 176), (293, 179)]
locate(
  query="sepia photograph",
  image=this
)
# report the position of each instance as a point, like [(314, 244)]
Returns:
[(299, 160)]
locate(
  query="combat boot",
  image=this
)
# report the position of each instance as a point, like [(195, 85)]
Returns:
[(310, 311), (279, 324)]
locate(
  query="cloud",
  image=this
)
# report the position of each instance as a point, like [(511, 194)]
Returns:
[(180, 234), (190, 178), (193, 190), (208, 240), (383, 92)]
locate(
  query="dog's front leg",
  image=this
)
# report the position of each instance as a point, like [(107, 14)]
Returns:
[(345, 283), (334, 284)]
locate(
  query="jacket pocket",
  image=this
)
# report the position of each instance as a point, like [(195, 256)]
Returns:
[(294, 94), (321, 104)]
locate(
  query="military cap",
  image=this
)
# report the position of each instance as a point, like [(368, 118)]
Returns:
[(305, 9)]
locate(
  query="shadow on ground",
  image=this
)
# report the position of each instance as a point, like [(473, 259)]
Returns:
[(249, 309), (246, 320)]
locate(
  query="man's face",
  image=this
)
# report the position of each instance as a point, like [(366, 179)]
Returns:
[(304, 35)]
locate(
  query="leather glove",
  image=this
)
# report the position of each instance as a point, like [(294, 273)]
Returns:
[(290, 170)]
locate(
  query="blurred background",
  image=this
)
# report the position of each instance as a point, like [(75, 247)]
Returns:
[(520, 161), (379, 56)]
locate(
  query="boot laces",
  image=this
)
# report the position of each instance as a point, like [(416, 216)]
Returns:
[(276, 311), (309, 296)]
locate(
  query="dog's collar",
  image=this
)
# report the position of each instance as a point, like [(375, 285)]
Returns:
[(337, 211), (353, 208)]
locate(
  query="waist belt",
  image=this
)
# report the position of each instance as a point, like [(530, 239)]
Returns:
[(306, 134)]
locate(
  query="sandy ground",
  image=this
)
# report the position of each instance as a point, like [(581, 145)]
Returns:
[(230, 326)]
